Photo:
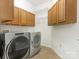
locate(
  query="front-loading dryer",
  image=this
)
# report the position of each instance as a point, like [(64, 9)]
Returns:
[(35, 40), (16, 45)]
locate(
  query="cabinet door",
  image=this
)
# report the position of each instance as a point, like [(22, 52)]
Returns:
[(71, 11), (33, 20), (6, 9), (16, 16), (27, 19), (30, 19), (50, 17), (23, 17), (54, 15), (61, 11)]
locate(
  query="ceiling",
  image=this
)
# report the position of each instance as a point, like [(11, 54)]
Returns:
[(37, 2)]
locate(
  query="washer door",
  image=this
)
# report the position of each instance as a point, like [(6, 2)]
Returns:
[(17, 48)]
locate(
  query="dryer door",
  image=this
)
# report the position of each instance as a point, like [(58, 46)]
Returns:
[(18, 48), (37, 40)]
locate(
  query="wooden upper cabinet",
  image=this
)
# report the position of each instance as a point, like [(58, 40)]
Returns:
[(13, 15), (6, 9), (63, 12), (23, 18)]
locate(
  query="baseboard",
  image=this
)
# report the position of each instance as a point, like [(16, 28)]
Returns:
[(58, 53)]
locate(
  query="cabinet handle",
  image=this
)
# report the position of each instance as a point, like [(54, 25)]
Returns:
[(6, 21)]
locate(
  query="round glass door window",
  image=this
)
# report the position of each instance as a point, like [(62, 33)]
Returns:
[(37, 40), (17, 48)]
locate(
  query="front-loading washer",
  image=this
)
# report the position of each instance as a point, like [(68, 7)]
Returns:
[(16, 46), (35, 41)]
